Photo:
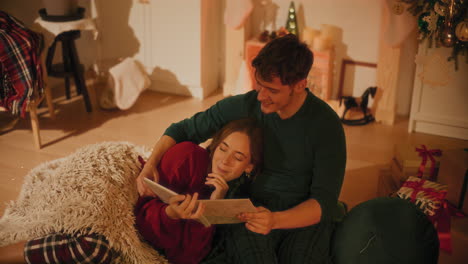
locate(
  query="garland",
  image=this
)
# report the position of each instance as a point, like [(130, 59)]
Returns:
[(443, 22)]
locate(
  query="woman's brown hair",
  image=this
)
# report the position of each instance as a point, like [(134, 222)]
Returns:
[(252, 129)]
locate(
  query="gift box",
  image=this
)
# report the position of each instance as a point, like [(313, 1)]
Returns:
[(410, 160), (454, 173), (427, 195)]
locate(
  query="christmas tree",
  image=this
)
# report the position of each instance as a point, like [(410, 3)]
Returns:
[(291, 24), (443, 22)]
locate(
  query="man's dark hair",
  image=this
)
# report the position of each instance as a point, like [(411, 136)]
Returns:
[(285, 57)]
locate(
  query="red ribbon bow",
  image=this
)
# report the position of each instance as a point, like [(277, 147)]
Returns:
[(417, 186), (428, 153)]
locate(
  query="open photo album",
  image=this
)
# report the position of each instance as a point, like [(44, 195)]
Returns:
[(222, 211)]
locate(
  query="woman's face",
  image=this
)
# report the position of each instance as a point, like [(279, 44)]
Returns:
[(232, 156)]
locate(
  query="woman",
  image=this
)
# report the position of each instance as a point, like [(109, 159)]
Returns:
[(234, 154)]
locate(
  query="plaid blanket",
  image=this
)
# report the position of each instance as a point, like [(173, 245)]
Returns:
[(20, 64), (61, 248)]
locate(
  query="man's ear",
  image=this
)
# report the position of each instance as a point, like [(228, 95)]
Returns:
[(301, 85)]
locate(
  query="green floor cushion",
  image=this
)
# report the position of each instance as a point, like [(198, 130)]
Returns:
[(385, 230)]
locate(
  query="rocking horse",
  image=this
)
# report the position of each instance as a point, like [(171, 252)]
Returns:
[(351, 102)]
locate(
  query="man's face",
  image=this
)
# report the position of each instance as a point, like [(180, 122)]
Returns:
[(273, 96)]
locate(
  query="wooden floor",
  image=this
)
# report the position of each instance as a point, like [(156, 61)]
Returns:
[(370, 147)]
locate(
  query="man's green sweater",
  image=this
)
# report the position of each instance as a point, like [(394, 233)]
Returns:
[(304, 155)]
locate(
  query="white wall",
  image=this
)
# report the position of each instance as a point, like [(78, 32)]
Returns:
[(165, 36), (179, 43), (357, 36), (174, 27), (176, 39)]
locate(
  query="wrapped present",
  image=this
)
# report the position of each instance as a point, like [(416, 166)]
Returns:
[(419, 161), (430, 197), (427, 195), (454, 172)]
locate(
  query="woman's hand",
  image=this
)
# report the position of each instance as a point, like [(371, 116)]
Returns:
[(220, 185), (185, 207), (149, 171)]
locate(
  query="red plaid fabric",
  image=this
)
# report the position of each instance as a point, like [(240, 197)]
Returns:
[(62, 248), (20, 64)]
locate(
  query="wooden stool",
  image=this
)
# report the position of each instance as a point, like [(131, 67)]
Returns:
[(70, 66)]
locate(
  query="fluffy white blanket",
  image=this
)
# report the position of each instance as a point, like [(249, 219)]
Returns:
[(92, 190)]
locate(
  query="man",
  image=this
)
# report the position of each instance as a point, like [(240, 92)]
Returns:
[(304, 159)]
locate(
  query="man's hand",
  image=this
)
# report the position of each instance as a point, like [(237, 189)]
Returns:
[(261, 222), (151, 173), (185, 207), (220, 185)]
